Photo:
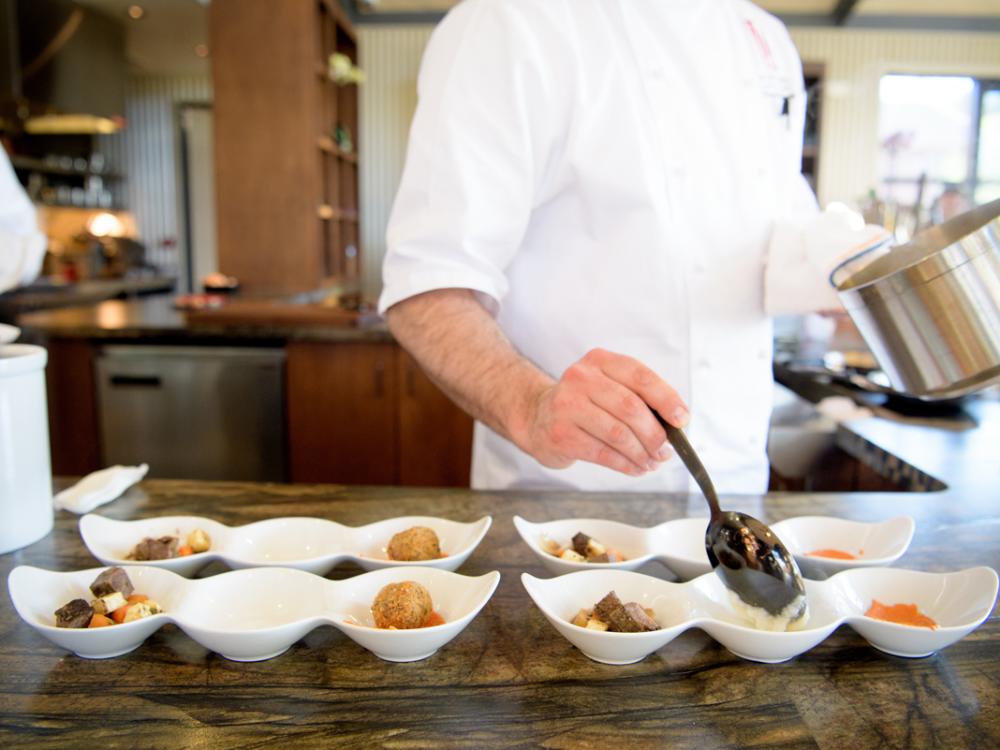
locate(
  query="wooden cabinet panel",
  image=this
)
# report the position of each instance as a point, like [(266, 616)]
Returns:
[(283, 184), (72, 402), (342, 413), (435, 436)]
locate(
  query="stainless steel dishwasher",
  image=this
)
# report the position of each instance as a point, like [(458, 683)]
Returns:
[(193, 412)]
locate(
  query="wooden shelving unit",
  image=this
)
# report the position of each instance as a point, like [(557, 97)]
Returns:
[(813, 74), (286, 190)]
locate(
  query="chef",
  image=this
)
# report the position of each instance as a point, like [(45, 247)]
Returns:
[(600, 210), (22, 246)]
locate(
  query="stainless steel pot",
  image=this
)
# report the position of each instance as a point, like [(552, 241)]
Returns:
[(930, 309)]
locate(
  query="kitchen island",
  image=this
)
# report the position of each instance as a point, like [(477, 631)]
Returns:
[(509, 680)]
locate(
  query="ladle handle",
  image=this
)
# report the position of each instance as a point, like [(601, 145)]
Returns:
[(694, 465)]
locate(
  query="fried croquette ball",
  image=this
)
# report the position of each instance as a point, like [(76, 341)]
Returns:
[(402, 605), (418, 543)]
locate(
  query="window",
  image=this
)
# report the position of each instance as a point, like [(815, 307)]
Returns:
[(939, 142)]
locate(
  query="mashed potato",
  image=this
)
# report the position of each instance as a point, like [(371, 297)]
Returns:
[(792, 617)]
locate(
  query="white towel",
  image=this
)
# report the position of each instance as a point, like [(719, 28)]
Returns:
[(99, 488)]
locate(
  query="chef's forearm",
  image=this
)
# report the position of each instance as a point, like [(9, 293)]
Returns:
[(462, 349)]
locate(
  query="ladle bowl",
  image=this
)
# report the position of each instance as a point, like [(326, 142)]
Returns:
[(744, 552)]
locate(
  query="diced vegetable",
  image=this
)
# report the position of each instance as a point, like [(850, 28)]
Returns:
[(100, 621), (594, 624), (141, 610), (184, 550), (571, 556), (136, 598), (198, 541), (109, 603)]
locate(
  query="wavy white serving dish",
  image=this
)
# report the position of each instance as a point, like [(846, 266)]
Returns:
[(253, 614), (680, 544), (958, 602), (315, 545)]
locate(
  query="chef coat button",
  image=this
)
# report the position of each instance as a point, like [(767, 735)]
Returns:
[(703, 363)]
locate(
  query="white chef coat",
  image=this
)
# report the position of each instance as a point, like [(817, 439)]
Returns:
[(606, 173), (22, 246)]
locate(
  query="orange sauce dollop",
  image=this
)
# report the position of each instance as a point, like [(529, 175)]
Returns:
[(836, 554), (433, 619), (902, 614)]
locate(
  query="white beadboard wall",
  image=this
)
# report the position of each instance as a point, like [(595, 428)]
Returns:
[(854, 61), (146, 151), (390, 57)]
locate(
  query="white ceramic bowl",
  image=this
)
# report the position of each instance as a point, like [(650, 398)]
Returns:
[(680, 544), (873, 544), (958, 602), (314, 545), (253, 614)]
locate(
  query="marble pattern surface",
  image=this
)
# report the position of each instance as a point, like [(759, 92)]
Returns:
[(509, 681)]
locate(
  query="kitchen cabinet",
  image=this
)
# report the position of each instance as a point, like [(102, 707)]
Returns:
[(435, 436), (365, 413), (341, 401), (72, 406)]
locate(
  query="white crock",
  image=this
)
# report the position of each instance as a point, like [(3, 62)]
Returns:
[(25, 473)]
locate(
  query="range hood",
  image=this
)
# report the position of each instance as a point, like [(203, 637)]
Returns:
[(62, 68)]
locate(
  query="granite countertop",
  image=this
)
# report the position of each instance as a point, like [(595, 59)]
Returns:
[(509, 680), (155, 318), (43, 296)]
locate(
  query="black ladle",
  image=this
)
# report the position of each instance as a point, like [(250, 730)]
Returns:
[(745, 553)]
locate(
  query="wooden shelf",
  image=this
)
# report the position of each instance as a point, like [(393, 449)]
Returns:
[(332, 213), (40, 165), (326, 145)]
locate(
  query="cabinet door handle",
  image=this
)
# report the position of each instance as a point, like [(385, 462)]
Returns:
[(379, 378), (136, 381)]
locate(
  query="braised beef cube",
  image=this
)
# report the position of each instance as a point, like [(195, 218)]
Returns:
[(603, 557), (631, 618), (580, 543), (607, 606), (76, 614), (163, 548), (110, 581)]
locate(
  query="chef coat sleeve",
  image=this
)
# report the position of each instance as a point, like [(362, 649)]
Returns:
[(22, 246), (475, 157)]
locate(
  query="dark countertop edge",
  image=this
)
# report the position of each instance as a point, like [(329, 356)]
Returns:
[(216, 334)]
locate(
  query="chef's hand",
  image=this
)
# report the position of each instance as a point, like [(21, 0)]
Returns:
[(598, 411)]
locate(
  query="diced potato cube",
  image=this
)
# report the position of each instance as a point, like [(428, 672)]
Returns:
[(571, 556), (142, 609), (108, 603), (649, 611), (594, 624), (550, 545), (595, 548), (199, 541), (582, 617)]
